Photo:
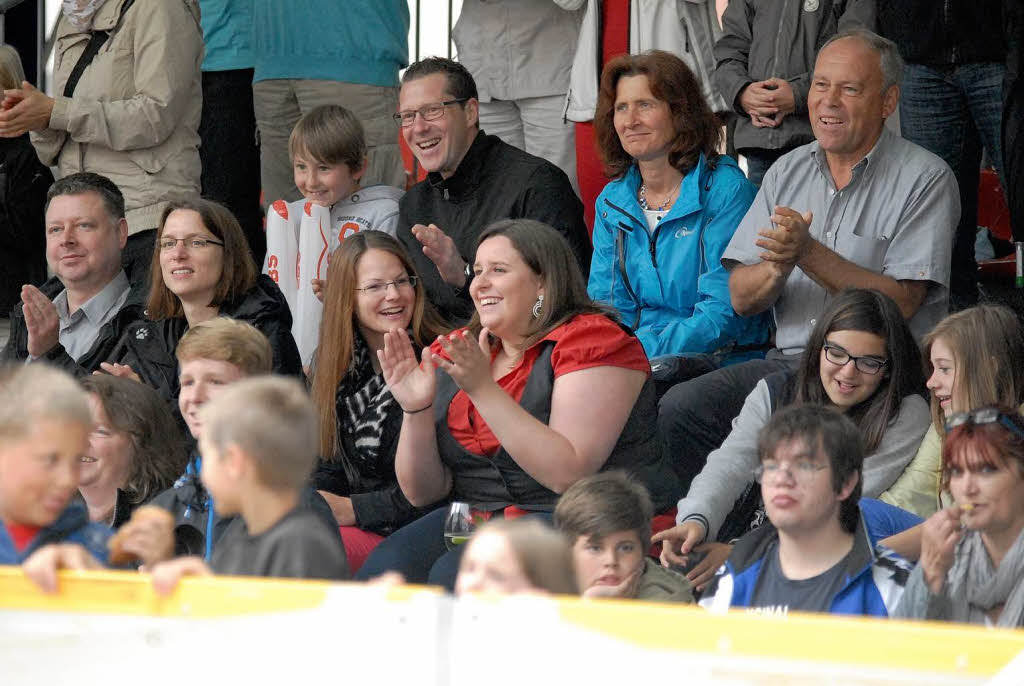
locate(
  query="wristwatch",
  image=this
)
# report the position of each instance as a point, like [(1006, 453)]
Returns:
[(469, 277)]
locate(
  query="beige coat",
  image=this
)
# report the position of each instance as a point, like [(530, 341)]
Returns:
[(135, 114)]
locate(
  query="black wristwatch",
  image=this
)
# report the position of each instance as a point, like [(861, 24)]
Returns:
[(469, 277)]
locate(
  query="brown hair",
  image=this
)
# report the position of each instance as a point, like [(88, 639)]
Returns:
[(544, 554), (994, 445), (987, 343), (604, 504), (330, 134), (12, 73), (157, 450), (548, 255), (672, 82), (271, 419), (227, 340), (238, 271), (339, 326)]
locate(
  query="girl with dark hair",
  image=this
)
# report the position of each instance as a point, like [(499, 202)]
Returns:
[(372, 288), (862, 360), (972, 553), (201, 269), (662, 224), (135, 449), (542, 389)]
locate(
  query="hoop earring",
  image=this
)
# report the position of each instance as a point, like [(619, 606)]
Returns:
[(537, 306)]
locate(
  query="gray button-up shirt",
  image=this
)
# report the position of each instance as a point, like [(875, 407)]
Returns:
[(896, 217), (78, 331)]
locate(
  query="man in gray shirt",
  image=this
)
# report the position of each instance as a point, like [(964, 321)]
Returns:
[(76, 318), (859, 207)]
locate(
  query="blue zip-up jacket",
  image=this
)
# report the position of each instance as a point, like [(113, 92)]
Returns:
[(669, 285), (72, 526), (875, 576)]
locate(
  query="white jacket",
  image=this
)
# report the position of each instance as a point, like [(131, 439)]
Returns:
[(688, 28)]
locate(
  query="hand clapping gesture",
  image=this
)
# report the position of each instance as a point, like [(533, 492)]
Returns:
[(470, 361), (411, 381)]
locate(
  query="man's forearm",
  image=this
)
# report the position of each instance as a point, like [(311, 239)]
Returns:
[(753, 288), (833, 272)]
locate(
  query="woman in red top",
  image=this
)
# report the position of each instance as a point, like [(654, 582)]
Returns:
[(542, 388)]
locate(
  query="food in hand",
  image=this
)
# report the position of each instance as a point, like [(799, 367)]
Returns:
[(145, 514)]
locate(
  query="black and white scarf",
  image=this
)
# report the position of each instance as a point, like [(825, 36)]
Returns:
[(363, 404)]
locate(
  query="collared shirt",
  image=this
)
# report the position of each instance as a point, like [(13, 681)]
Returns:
[(78, 331), (897, 217)]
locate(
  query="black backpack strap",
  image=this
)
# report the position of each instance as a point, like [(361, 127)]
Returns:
[(98, 39)]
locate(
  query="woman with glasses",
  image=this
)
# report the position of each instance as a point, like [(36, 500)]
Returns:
[(372, 288), (972, 553), (862, 360), (201, 269), (975, 358), (540, 390)]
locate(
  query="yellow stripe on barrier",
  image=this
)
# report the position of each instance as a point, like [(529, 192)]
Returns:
[(925, 646)]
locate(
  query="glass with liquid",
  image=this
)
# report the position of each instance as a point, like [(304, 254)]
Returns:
[(458, 526)]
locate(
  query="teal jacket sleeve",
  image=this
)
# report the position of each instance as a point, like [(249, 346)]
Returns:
[(605, 284)]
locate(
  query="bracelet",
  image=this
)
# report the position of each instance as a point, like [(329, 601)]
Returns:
[(419, 410)]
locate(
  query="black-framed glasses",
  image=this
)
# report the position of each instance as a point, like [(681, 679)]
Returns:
[(801, 470), (864, 363), (987, 415), (399, 284), (434, 110), (191, 243)]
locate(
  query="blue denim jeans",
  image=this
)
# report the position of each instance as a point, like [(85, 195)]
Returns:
[(953, 111), (759, 161)]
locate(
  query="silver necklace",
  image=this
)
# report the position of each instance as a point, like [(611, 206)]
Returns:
[(644, 204)]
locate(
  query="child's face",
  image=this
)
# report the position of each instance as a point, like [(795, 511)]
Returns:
[(218, 479), (39, 472), (201, 380), (321, 183), (609, 560), (489, 565)]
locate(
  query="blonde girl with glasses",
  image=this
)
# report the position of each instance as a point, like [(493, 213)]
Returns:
[(372, 289), (861, 360)]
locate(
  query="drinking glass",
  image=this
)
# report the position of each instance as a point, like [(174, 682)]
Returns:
[(458, 526)]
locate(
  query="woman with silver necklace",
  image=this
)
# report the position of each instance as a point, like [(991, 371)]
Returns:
[(665, 219)]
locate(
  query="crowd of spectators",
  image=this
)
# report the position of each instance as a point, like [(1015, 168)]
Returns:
[(786, 357)]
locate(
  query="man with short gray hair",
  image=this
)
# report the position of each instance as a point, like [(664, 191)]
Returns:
[(75, 319), (859, 207)]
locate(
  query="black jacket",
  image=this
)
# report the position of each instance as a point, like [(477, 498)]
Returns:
[(945, 32), (130, 314), (494, 181), (24, 181), (148, 347), (492, 483)]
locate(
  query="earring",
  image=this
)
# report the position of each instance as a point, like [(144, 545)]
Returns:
[(537, 306)]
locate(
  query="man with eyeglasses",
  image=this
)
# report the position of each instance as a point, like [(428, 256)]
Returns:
[(473, 180), (75, 319), (814, 554)]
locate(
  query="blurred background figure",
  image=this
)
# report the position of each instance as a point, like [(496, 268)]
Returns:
[(517, 556)]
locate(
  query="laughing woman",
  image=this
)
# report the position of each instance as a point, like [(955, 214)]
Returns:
[(201, 269), (371, 290), (541, 389)]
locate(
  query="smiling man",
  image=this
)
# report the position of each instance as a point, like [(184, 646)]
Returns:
[(473, 179), (75, 319), (815, 555), (859, 207)]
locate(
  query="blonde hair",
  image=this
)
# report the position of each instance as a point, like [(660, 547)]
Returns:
[(330, 134), (271, 419), (544, 554), (11, 71), (227, 340), (33, 392), (987, 343)]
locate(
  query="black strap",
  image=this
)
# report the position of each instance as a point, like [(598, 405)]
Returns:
[(98, 39)]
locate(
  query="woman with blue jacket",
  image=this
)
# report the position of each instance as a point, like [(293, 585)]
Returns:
[(664, 221)]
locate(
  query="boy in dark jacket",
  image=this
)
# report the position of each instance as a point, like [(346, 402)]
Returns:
[(44, 429), (259, 445), (815, 556)]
